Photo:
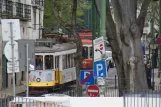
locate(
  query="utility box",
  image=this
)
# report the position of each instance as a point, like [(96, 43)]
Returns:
[(22, 53)]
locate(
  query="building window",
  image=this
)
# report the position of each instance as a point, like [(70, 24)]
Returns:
[(49, 62), (34, 17)]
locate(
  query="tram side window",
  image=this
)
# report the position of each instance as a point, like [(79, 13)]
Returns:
[(85, 52), (56, 62), (73, 60), (49, 62), (39, 62), (91, 49), (64, 61), (68, 62)]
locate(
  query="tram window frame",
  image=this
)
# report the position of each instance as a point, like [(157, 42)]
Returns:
[(73, 60), (91, 52), (85, 52), (68, 61), (57, 62), (64, 62), (51, 63), (39, 62)]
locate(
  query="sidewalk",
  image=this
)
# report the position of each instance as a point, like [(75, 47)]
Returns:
[(156, 79), (9, 91)]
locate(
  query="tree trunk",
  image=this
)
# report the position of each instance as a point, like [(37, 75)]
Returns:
[(125, 40), (77, 40), (78, 58), (78, 61)]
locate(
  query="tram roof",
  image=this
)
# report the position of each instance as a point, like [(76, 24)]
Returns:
[(55, 48)]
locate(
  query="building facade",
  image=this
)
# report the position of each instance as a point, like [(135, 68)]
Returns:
[(30, 13)]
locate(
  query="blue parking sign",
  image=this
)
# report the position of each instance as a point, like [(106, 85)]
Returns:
[(86, 77), (100, 69)]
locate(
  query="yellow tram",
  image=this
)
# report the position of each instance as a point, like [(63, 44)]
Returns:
[(54, 66)]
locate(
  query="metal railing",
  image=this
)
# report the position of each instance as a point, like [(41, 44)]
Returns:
[(109, 92), (10, 9), (148, 98), (9, 101)]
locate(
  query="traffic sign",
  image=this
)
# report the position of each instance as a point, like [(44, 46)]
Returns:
[(99, 48), (8, 51), (6, 31), (100, 69), (16, 67), (86, 77), (93, 91)]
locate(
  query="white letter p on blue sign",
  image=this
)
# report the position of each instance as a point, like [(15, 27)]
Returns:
[(99, 68)]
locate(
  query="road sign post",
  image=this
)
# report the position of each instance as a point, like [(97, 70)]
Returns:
[(13, 64), (27, 72), (100, 72), (93, 91), (11, 32)]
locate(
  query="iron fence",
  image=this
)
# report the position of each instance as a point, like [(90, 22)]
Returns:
[(148, 98), (108, 91)]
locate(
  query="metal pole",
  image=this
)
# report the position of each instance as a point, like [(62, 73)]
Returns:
[(103, 18), (93, 30), (13, 62), (103, 33), (152, 35), (27, 70)]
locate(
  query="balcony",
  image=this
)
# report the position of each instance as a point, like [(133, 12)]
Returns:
[(6, 9), (37, 3), (15, 10), (22, 11), (27, 11)]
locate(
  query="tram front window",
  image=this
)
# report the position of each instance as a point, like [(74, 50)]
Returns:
[(39, 62), (49, 62), (85, 52)]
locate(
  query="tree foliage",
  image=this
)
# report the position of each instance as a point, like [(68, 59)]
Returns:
[(64, 8)]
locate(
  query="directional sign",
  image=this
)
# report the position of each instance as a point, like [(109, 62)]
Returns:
[(16, 67), (100, 69), (86, 77), (93, 91), (6, 31), (99, 48)]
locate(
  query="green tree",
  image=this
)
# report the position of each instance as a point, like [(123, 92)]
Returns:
[(69, 22), (64, 8)]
